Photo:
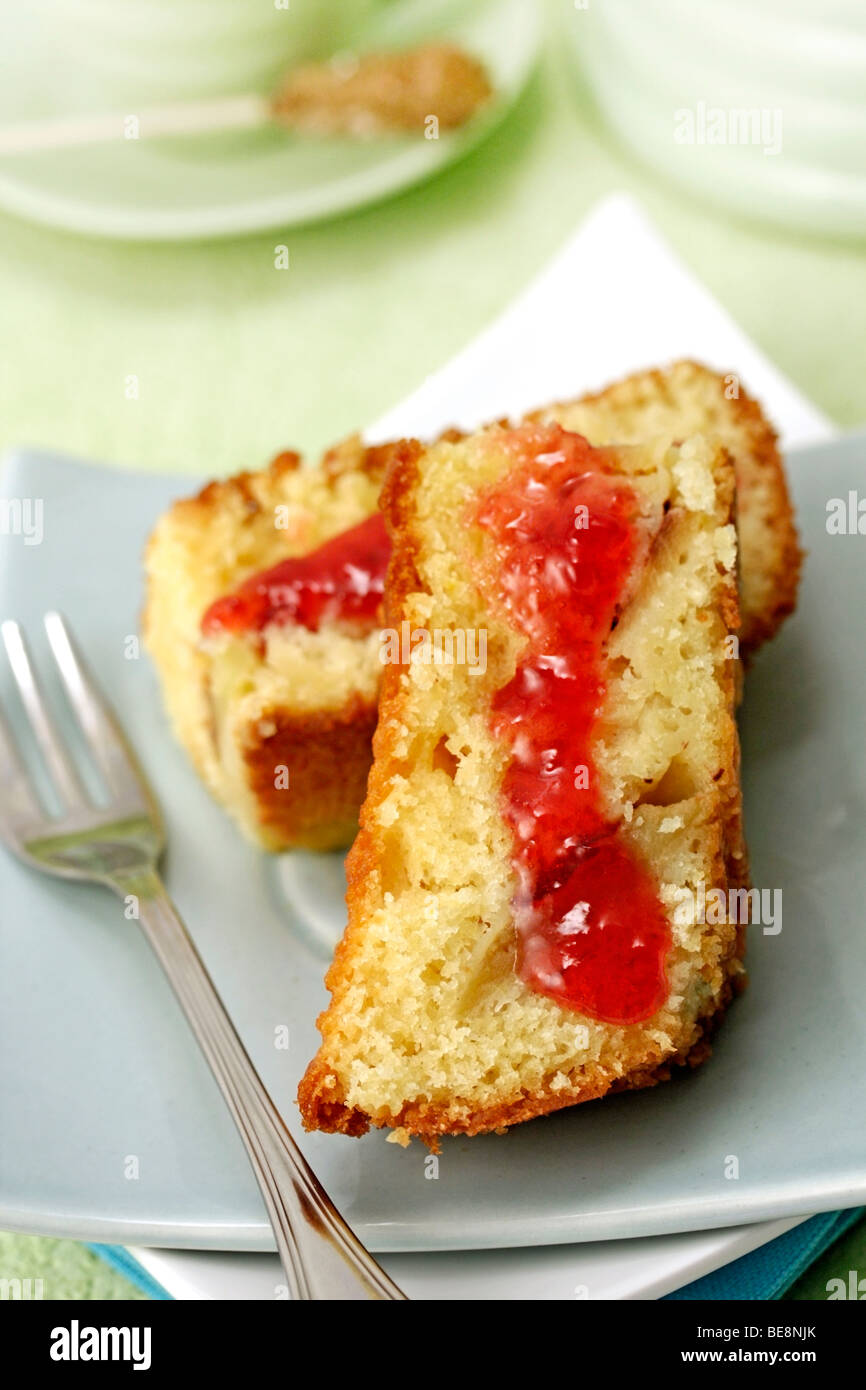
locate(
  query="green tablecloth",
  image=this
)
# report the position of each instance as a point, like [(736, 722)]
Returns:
[(236, 359)]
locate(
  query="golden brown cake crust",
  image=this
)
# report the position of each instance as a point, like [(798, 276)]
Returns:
[(430, 1122), (328, 755), (320, 1095), (253, 491)]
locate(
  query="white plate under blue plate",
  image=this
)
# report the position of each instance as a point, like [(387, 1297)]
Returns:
[(222, 185), (110, 1125), (596, 1270)]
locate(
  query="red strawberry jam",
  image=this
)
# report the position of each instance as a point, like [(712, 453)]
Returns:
[(567, 536), (342, 581)]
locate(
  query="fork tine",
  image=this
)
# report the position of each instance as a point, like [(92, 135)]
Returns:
[(57, 761), (17, 797), (107, 744)]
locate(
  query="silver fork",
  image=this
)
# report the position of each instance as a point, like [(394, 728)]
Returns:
[(119, 846)]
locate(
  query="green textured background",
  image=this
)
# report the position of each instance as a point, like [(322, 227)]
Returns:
[(236, 359)]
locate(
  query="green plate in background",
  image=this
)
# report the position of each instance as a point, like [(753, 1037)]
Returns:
[(223, 185)]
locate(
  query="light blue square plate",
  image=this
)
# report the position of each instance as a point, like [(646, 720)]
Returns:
[(111, 1128)]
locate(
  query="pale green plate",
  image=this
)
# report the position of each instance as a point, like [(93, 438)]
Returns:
[(223, 185)]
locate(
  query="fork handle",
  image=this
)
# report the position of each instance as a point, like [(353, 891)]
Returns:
[(321, 1255)]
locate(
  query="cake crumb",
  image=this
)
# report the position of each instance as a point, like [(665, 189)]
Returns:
[(401, 1137)]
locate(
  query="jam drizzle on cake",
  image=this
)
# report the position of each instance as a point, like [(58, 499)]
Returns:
[(568, 536), (342, 581)]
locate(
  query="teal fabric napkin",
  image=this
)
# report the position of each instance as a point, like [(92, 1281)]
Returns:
[(769, 1271)]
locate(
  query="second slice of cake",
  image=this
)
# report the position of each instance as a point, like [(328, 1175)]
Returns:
[(263, 596), (555, 786)]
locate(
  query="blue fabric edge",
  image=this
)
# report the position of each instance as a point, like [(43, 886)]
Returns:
[(768, 1272), (120, 1259)]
